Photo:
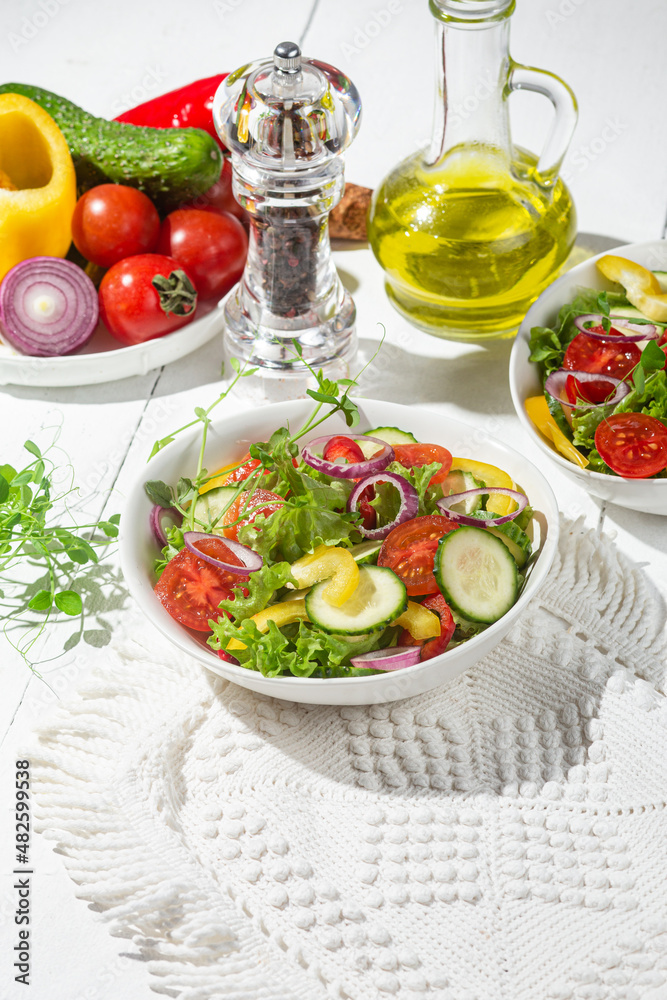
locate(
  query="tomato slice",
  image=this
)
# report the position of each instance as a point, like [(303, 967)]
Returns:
[(342, 447), (634, 445), (409, 550), (415, 455), (433, 647), (260, 502), (588, 392), (368, 514), (191, 589), (585, 354)]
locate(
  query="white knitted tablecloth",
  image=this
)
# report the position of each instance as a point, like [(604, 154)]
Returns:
[(501, 838)]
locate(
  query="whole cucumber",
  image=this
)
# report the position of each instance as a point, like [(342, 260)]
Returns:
[(171, 165)]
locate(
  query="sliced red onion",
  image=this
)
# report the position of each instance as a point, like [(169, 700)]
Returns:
[(351, 470), (642, 331), (249, 560), (394, 658), (157, 518), (408, 509), (447, 503), (555, 385), (48, 306)]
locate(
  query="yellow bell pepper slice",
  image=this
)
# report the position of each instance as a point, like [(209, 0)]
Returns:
[(538, 411), (490, 475), (641, 285), (419, 621), (37, 184), (281, 614), (328, 563)]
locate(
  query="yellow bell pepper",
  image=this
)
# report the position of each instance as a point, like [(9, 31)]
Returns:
[(38, 194), (328, 563), (490, 476), (641, 285), (281, 614), (419, 621), (538, 411)]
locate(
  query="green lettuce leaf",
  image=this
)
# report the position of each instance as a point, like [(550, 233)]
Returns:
[(261, 586), (294, 530), (298, 649), (652, 400), (174, 545)]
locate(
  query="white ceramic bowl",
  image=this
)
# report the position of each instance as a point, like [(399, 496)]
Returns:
[(648, 495), (229, 438)]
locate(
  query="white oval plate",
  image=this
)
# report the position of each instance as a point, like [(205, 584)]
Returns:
[(102, 359), (230, 437)]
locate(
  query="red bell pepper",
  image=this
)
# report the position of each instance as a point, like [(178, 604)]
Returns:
[(188, 107)]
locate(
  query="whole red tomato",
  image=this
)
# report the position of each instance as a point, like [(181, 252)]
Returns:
[(212, 246), (112, 221), (146, 296), (219, 196)]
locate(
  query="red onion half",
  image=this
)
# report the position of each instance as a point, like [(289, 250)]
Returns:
[(409, 506), (556, 386), (249, 560), (446, 504), (157, 518), (348, 470), (641, 331), (394, 658), (48, 307)]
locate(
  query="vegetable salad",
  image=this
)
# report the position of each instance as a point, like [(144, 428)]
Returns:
[(352, 554), (603, 365)]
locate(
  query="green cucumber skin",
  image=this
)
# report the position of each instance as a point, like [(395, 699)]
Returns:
[(392, 435), (170, 165)]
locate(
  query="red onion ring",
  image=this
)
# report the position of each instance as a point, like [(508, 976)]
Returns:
[(250, 561), (395, 658), (48, 307), (408, 509), (156, 518), (351, 470), (446, 503), (555, 386), (644, 331)]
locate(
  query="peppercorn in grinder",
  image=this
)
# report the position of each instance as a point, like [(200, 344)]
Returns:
[(287, 122)]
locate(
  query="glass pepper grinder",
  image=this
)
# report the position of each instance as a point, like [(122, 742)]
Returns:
[(472, 228), (287, 122)]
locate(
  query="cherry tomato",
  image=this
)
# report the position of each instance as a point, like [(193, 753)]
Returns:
[(589, 392), (219, 197), (191, 589), (433, 647), (212, 247), (585, 354), (368, 513), (415, 455), (342, 447), (131, 307), (663, 343), (238, 475), (634, 445), (113, 221), (266, 502), (409, 550)]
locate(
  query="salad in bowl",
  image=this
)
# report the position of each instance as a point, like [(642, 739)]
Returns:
[(356, 556), (588, 375)]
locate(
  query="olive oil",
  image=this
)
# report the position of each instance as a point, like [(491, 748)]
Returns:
[(468, 245)]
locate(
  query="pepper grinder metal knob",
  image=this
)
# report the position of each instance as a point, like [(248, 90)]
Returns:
[(287, 120)]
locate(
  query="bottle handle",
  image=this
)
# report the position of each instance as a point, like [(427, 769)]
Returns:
[(565, 105)]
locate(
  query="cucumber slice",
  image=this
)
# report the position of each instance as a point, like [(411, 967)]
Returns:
[(366, 552), (476, 574), (662, 280), (634, 315), (516, 540), (392, 435), (380, 597), (457, 481), (210, 506)]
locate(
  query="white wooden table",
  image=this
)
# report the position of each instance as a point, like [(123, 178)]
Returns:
[(109, 57)]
